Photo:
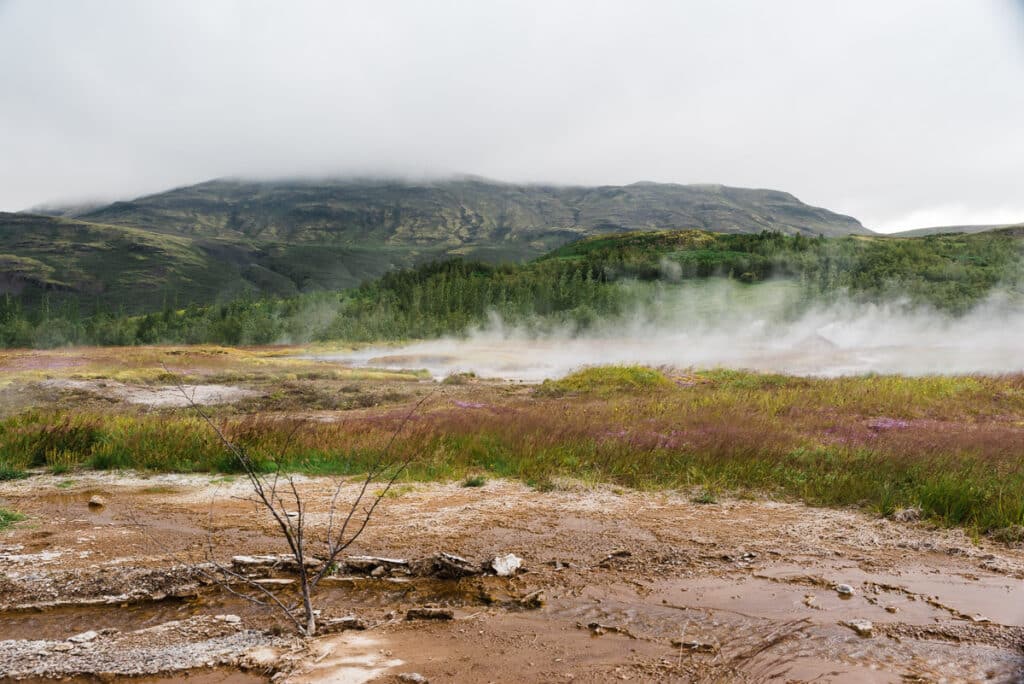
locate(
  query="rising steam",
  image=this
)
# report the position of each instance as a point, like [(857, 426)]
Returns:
[(722, 324)]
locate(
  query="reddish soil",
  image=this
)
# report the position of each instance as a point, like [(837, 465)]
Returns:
[(638, 586)]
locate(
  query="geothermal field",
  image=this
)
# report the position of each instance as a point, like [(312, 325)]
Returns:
[(612, 523), (511, 342)]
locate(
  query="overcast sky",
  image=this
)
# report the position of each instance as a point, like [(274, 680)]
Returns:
[(903, 113)]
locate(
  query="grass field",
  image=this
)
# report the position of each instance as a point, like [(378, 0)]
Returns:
[(950, 446)]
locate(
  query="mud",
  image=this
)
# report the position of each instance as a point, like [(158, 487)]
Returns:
[(167, 396), (636, 586)]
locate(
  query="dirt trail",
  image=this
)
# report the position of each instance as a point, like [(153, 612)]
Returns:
[(638, 586)]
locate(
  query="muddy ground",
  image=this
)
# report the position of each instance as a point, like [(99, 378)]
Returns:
[(636, 586)]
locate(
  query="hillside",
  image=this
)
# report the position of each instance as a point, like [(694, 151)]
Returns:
[(121, 267), (940, 230), (223, 239), (587, 283)]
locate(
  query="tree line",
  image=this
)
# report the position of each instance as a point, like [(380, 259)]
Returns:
[(577, 285)]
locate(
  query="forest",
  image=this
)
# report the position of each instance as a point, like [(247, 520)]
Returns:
[(576, 285)]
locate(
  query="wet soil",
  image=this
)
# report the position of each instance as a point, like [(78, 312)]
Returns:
[(637, 586)]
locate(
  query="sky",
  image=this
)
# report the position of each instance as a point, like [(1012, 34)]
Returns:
[(903, 114)]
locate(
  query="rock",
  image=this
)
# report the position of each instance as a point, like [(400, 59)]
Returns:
[(84, 637), (230, 619), (344, 623), (907, 515), (429, 613), (254, 561), (533, 600), (844, 590), (863, 628), (378, 571), (507, 565), (450, 566), (597, 629), (62, 647), (892, 609), (367, 564), (696, 646), (621, 553), (414, 677), (274, 581), (284, 561), (97, 501)]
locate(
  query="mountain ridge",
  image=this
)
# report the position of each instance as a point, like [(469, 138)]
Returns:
[(396, 209), (224, 238)]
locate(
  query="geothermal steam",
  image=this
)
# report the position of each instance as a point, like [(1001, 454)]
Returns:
[(721, 324)]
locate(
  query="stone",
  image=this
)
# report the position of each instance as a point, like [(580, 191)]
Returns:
[(367, 564), (696, 646), (844, 590), (429, 613), (507, 565), (97, 501), (907, 515), (533, 600), (863, 628), (450, 566), (378, 571), (413, 677), (274, 581), (344, 623), (84, 637), (230, 619)]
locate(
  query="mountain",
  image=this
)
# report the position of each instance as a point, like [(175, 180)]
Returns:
[(939, 230), (220, 239), (463, 213)]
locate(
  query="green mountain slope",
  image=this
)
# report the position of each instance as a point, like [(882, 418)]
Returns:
[(940, 230), (120, 267), (219, 240)]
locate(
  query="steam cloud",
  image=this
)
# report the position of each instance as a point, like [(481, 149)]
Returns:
[(721, 324)]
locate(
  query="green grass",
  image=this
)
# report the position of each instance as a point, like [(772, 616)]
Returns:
[(474, 481), (8, 518), (948, 446), (603, 381), (705, 496)]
